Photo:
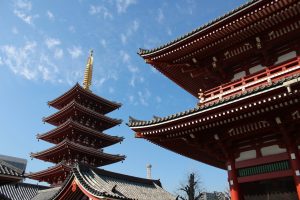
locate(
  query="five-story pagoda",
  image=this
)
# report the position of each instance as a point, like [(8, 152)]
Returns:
[(78, 136)]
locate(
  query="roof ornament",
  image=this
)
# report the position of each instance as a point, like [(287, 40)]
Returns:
[(88, 72)]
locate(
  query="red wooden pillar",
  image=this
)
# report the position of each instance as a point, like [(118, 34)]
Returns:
[(294, 159), (233, 181)]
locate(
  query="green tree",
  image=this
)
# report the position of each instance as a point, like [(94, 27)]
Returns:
[(191, 190)]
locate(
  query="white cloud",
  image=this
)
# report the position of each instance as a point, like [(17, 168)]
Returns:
[(169, 31), (103, 43), (123, 38), (125, 56), (52, 42), (131, 98), (50, 15), (58, 53), (18, 59), (72, 29), (122, 5), (26, 61), (22, 9), (75, 51), (14, 30), (100, 10), (134, 26), (111, 90), (160, 16), (158, 99), (144, 96), (23, 4)]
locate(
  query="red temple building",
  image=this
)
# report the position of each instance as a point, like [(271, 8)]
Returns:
[(244, 68), (78, 136)]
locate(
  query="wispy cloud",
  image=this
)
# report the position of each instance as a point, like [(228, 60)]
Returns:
[(160, 16), (72, 29), (14, 30), (169, 31), (27, 62), (50, 15), (52, 42), (75, 51), (100, 10), (133, 27), (103, 43), (122, 5), (144, 97), (58, 53), (22, 9), (125, 56)]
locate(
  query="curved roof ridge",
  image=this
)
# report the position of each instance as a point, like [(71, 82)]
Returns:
[(144, 52)]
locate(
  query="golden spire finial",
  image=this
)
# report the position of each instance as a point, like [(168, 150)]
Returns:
[(88, 72)]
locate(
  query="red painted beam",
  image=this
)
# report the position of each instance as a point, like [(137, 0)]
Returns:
[(262, 160)]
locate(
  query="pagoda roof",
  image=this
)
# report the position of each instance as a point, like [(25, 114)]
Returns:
[(210, 27), (71, 94), (20, 191), (72, 106), (188, 60), (66, 145), (107, 140), (201, 110), (99, 183), (50, 172)]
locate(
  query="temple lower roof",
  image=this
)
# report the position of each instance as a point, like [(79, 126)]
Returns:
[(19, 191), (101, 183)]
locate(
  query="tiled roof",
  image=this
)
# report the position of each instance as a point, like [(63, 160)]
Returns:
[(77, 87), (103, 158), (9, 170), (134, 122), (103, 183), (74, 105), (46, 194), (201, 28), (109, 184), (19, 191), (107, 139)]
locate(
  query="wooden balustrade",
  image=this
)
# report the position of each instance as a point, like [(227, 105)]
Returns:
[(261, 78)]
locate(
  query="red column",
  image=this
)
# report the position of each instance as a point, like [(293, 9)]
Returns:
[(292, 149), (232, 179), (294, 161)]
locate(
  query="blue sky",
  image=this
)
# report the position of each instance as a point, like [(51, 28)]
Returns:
[(43, 51)]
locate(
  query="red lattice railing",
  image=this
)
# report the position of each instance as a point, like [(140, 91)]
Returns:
[(264, 77)]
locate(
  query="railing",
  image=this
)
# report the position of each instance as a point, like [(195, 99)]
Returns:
[(265, 77)]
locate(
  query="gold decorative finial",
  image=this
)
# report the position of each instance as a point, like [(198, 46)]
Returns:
[(88, 72)]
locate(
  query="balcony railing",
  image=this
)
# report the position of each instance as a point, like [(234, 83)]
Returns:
[(264, 77)]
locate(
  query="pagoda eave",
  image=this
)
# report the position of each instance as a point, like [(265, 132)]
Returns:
[(59, 171), (70, 150), (71, 129), (59, 102), (74, 107)]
